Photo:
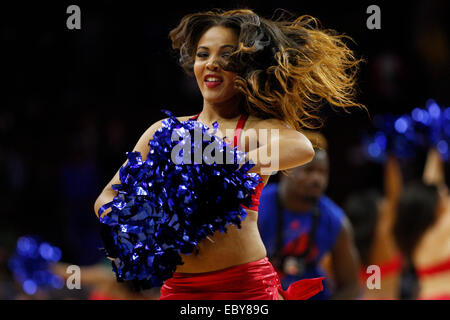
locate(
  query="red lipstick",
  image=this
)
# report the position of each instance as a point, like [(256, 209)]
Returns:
[(212, 80), (212, 84)]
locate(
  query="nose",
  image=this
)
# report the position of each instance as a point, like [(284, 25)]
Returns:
[(316, 178), (212, 65)]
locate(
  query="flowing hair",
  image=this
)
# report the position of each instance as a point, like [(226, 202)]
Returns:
[(286, 68)]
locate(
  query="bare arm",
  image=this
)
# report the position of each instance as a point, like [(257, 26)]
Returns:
[(142, 146), (345, 264), (393, 180), (383, 244), (284, 148), (433, 172), (90, 275)]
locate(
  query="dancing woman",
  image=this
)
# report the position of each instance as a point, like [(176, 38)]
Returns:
[(253, 74), (422, 230)]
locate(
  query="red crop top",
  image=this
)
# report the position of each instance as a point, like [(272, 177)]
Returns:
[(443, 266), (236, 140)]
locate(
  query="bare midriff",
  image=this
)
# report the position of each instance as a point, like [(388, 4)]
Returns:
[(223, 250), (433, 250), (435, 285)]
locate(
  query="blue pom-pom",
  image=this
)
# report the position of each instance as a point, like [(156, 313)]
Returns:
[(174, 199), (407, 135), (30, 264)]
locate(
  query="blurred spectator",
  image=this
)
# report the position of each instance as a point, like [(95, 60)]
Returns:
[(299, 225)]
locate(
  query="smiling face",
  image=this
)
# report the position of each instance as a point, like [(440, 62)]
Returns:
[(214, 47)]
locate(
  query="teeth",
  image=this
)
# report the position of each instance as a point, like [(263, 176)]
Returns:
[(213, 80)]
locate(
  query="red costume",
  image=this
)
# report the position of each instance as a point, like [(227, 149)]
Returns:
[(255, 280), (431, 271)]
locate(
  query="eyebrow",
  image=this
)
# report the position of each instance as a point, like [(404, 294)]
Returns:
[(224, 46)]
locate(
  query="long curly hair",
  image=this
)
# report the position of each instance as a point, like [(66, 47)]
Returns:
[(287, 68)]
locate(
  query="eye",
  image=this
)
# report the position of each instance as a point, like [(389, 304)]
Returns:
[(226, 55), (202, 54)]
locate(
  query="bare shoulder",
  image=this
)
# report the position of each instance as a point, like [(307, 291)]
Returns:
[(272, 123), (185, 118)]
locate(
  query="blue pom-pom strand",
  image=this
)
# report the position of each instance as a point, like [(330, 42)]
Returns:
[(164, 209)]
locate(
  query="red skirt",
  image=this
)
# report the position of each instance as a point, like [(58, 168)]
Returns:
[(255, 280)]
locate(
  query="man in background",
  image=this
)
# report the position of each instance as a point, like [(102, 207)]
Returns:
[(300, 226)]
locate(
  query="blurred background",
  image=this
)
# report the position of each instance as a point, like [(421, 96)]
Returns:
[(74, 102)]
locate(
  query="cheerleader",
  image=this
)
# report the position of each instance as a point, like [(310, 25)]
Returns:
[(422, 230), (263, 76)]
